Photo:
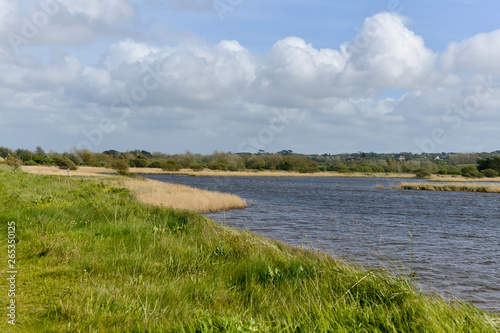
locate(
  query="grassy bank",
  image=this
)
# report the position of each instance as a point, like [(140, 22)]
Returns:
[(454, 187), (91, 258)]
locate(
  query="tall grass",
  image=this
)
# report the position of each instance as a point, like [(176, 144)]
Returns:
[(456, 187), (91, 258), (182, 196)]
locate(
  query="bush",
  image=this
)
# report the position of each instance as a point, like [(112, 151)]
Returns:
[(377, 168), (139, 163), (196, 167), (170, 166), (30, 162), (219, 165), (423, 173), (490, 173), (13, 162), (489, 163), (442, 172), (454, 172), (64, 163), (470, 171), (120, 164), (157, 164), (126, 173)]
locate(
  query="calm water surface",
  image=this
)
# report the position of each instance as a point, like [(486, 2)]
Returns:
[(455, 236)]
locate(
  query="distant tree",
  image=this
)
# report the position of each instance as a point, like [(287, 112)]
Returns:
[(489, 163), (170, 165), (470, 171), (112, 153), (4, 152), (423, 173), (40, 152), (140, 162), (146, 154), (456, 159), (490, 173), (24, 154), (64, 163), (196, 167), (120, 164)]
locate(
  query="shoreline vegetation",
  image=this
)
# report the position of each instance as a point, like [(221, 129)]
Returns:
[(94, 258), (284, 163), (453, 187), (155, 192), (100, 171)]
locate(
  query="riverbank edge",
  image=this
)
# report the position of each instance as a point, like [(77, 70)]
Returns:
[(99, 171), (265, 245)]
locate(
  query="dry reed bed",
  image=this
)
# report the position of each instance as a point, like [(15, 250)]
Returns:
[(453, 187), (219, 173), (454, 179), (99, 171), (155, 192), (182, 197)]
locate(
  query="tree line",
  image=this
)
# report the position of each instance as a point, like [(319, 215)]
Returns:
[(423, 165)]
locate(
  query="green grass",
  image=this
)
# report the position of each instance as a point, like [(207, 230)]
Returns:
[(90, 258)]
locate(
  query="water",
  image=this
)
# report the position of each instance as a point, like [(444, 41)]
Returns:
[(451, 239)]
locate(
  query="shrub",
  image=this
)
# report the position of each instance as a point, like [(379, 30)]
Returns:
[(490, 173), (156, 164), (390, 168), (13, 162), (120, 164), (470, 171), (196, 167), (377, 168), (126, 173), (442, 172), (64, 163), (454, 172), (139, 163), (170, 166), (423, 173), (489, 163), (30, 162), (219, 165)]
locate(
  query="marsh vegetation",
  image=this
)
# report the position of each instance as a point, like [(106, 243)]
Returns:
[(94, 258)]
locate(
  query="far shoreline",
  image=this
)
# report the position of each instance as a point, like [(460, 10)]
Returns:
[(101, 171)]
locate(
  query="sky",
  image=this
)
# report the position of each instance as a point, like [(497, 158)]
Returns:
[(317, 76)]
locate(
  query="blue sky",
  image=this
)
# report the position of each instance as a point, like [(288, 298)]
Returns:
[(314, 77)]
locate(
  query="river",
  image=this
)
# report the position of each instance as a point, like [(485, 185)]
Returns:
[(450, 239)]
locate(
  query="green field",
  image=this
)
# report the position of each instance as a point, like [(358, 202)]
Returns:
[(91, 258)]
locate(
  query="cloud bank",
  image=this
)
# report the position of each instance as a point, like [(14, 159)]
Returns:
[(384, 90)]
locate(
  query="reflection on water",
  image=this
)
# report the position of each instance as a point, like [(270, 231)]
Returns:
[(455, 237)]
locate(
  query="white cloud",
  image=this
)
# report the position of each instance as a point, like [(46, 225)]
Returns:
[(128, 52), (109, 11), (223, 93), (480, 53), (56, 22), (386, 54)]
